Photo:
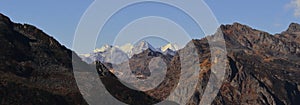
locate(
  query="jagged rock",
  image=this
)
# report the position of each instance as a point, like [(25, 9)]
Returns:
[(261, 69), (294, 27)]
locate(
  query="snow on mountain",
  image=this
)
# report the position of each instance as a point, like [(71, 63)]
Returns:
[(118, 54), (140, 47), (99, 54), (127, 48), (170, 49), (171, 46), (103, 48), (112, 55), (90, 58), (169, 52)]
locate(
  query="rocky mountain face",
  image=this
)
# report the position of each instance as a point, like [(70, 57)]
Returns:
[(35, 69), (291, 34), (261, 69)]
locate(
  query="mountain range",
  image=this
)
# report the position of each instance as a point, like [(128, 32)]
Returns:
[(127, 51), (261, 69)]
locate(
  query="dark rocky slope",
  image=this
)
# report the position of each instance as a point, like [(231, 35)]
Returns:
[(262, 69), (35, 69)]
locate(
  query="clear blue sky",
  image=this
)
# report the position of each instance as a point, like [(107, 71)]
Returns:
[(59, 18)]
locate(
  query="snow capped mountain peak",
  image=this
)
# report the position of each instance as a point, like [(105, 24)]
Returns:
[(170, 46), (103, 48), (126, 51), (126, 48), (142, 43), (142, 46)]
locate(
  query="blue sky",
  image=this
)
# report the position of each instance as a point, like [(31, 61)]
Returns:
[(59, 18)]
